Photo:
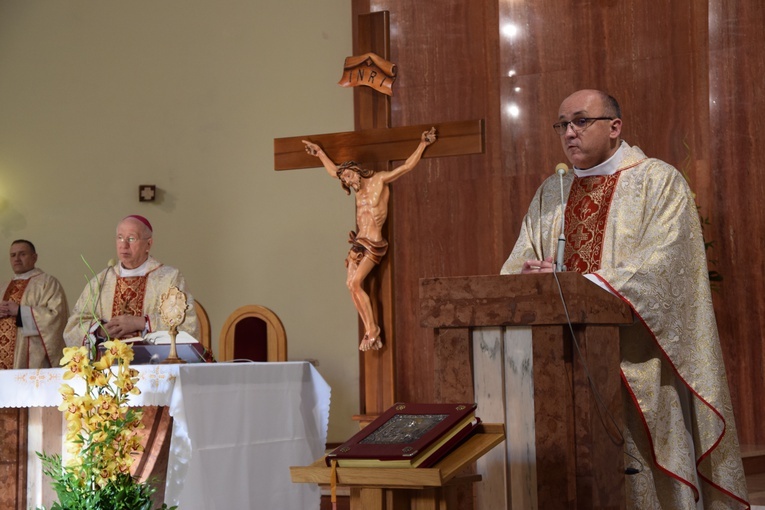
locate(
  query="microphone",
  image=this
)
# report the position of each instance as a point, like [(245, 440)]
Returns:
[(92, 339), (109, 265), (561, 169)]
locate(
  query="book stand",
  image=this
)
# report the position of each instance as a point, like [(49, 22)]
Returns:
[(432, 488)]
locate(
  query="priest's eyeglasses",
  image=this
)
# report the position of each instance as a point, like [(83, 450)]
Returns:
[(129, 239), (578, 124)]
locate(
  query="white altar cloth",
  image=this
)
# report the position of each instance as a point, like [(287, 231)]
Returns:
[(237, 427)]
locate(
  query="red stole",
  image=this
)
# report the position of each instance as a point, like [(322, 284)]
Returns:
[(128, 296), (586, 213), (8, 326)]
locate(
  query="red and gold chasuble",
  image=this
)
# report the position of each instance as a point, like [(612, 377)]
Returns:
[(586, 214), (8, 326), (128, 296), (644, 241)]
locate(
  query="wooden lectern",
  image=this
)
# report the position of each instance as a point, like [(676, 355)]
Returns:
[(504, 342), (431, 488)]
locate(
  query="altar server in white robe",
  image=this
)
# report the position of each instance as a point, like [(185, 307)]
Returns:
[(123, 300), (33, 312)]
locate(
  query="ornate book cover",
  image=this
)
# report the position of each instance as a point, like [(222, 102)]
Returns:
[(408, 435)]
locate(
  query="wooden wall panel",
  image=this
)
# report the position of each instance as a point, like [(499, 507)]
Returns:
[(687, 76), (443, 213), (737, 119)]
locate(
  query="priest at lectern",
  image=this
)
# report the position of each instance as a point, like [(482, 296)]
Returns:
[(630, 224)]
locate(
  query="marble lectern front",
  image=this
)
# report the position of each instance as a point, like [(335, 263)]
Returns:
[(505, 342)]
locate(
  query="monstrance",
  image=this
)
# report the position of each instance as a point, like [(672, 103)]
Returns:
[(172, 309)]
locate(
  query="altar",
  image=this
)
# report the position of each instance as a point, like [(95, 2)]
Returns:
[(237, 428)]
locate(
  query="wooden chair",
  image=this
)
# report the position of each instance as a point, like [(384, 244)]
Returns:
[(254, 333), (205, 335)]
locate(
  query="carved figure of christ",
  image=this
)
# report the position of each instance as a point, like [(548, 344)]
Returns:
[(367, 243), (374, 146)]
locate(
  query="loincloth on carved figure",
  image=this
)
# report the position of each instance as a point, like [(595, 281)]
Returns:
[(364, 247)]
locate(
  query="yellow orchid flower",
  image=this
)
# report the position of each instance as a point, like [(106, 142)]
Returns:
[(119, 350), (75, 354), (101, 428)]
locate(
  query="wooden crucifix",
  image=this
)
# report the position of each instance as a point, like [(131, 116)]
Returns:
[(368, 244), (377, 145)]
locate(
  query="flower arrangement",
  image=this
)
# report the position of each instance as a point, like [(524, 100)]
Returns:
[(101, 434)]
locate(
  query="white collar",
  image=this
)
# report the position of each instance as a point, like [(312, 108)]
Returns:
[(608, 167), (139, 271), (25, 276)]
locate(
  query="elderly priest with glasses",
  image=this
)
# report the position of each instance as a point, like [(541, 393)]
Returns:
[(632, 227), (123, 300)]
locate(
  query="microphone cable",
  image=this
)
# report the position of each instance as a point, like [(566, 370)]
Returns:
[(620, 441)]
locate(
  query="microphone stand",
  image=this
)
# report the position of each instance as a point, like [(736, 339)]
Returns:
[(561, 170)]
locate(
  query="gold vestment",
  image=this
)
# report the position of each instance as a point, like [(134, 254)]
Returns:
[(677, 402), (46, 300), (102, 289)]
